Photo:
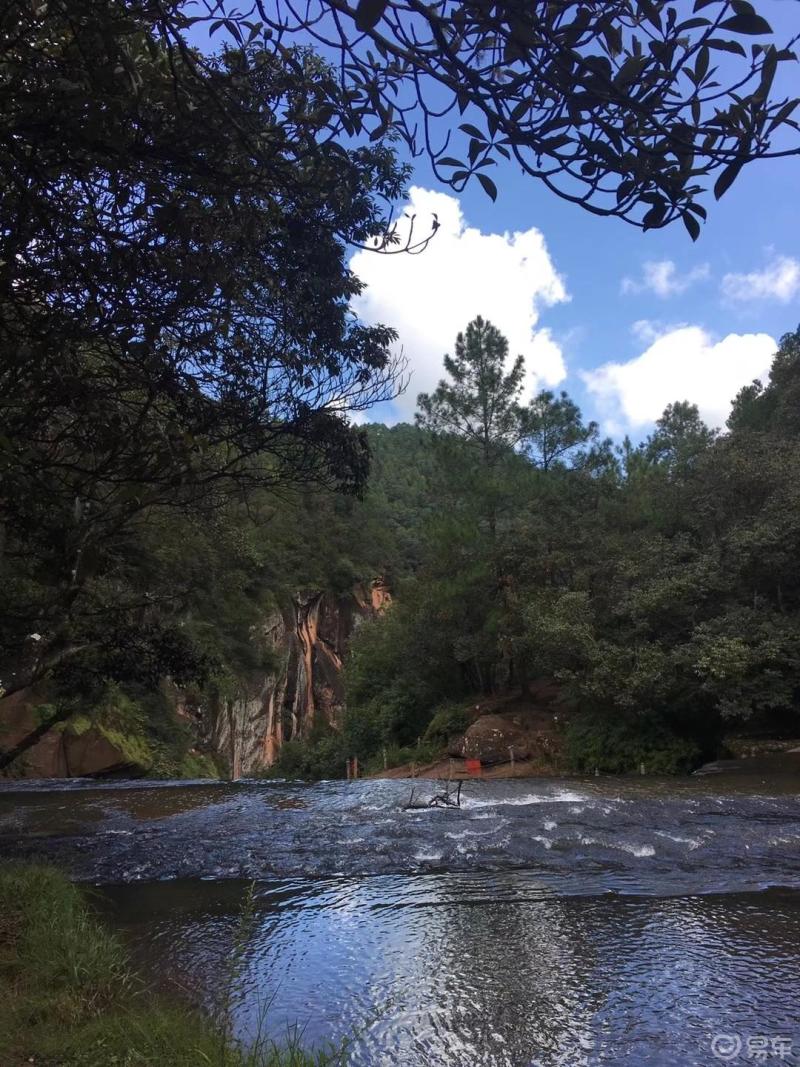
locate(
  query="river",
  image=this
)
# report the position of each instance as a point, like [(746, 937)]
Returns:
[(547, 922)]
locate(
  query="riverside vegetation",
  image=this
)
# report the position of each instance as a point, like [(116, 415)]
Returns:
[(659, 583), (71, 996)]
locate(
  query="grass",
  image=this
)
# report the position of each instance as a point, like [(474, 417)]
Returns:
[(70, 998)]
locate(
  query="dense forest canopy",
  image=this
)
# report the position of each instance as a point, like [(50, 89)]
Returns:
[(658, 583), (176, 326)]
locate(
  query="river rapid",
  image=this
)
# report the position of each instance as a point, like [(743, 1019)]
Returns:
[(546, 922)]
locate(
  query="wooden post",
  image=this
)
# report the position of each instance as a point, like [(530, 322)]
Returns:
[(347, 769), (641, 768), (413, 770), (355, 766), (385, 759), (511, 754)]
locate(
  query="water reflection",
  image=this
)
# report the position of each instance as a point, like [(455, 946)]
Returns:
[(550, 923), (481, 969)]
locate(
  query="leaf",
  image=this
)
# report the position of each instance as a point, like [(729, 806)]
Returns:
[(698, 209), (691, 224), (552, 144), (747, 24), (783, 114), (520, 109), (768, 70), (701, 66), (727, 178), (475, 149), (369, 13), (448, 161), (473, 131), (488, 186), (654, 216), (727, 46)]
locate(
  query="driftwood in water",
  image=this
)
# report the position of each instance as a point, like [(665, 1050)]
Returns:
[(449, 797)]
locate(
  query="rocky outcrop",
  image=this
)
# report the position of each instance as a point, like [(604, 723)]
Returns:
[(491, 738), (306, 641), (68, 750)]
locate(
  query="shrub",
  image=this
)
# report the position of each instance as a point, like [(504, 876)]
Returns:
[(449, 721), (321, 756), (621, 745)]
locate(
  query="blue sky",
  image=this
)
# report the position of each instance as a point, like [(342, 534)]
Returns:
[(740, 281), (625, 321)]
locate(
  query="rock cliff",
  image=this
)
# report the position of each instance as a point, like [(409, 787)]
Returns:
[(308, 640)]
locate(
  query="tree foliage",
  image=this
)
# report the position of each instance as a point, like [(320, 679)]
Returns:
[(174, 301), (632, 108), (658, 584)]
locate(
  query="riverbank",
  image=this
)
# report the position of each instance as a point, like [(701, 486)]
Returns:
[(457, 770), (70, 997)]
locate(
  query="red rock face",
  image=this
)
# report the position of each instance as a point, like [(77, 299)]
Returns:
[(309, 639)]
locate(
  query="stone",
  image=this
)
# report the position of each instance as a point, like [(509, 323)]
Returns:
[(490, 738)]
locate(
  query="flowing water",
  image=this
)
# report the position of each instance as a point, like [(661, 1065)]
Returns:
[(574, 922)]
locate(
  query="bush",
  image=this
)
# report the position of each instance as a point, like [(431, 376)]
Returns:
[(449, 721), (621, 745), (321, 756)]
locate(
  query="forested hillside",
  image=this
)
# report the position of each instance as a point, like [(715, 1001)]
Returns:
[(659, 584)]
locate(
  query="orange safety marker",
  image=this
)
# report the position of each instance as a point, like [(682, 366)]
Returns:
[(473, 766)]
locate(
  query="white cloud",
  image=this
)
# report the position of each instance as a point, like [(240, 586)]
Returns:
[(661, 277), (683, 364), (780, 280), (429, 298)]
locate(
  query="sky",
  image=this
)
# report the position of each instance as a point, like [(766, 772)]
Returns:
[(626, 322)]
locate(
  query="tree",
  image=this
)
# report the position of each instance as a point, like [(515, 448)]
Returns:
[(679, 438), (774, 407), (627, 108), (554, 429), (480, 403), (174, 296)]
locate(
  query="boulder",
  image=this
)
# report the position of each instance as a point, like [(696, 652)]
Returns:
[(94, 754), (490, 738), (65, 751), (455, 746)]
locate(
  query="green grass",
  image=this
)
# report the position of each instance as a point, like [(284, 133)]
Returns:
[(69, 997)]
